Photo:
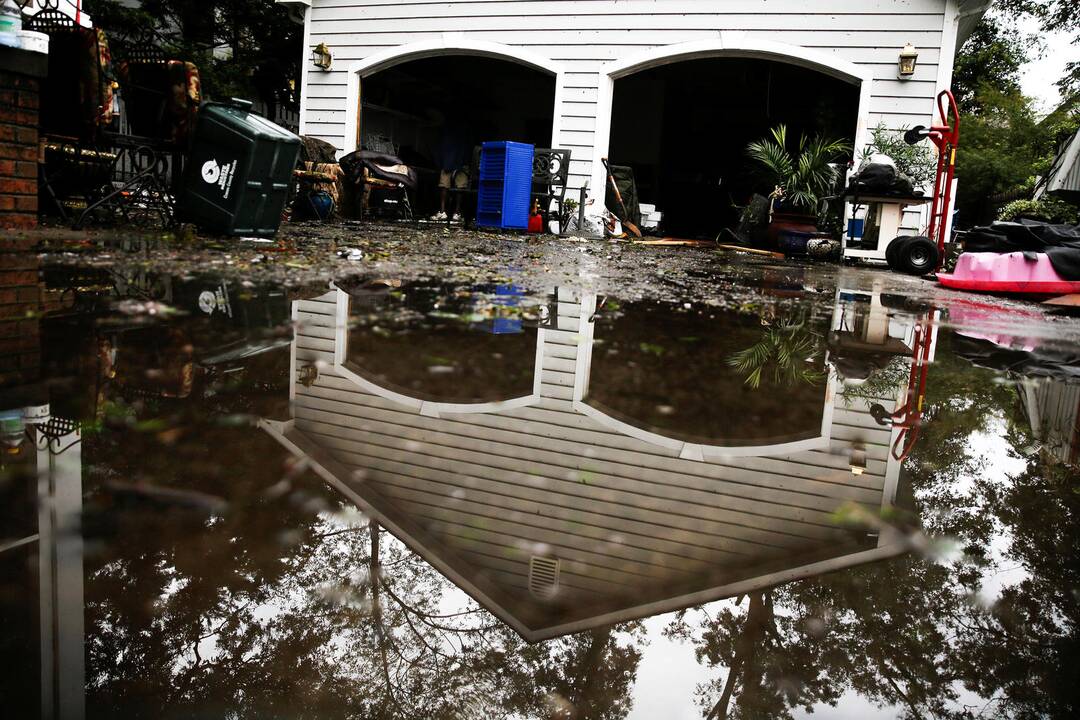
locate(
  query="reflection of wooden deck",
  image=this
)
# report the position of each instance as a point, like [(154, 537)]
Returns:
[(636, 528)]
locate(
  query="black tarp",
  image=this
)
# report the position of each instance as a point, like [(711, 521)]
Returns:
[(379, 165), (1055, 363), (1060, 242), (881, 179)]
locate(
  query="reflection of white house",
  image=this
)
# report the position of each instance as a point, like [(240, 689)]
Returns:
[(557, 518), (1053, 409)]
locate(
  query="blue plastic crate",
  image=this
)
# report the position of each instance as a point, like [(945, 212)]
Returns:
[(505, 185)]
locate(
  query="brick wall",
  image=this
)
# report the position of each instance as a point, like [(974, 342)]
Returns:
[(18, 150)]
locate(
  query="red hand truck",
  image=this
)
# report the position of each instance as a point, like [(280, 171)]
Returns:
[(946, 137)]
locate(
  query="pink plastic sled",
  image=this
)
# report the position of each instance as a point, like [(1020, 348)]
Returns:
[(1007, 273)]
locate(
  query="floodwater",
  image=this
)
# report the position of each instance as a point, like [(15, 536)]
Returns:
[(390, 498)]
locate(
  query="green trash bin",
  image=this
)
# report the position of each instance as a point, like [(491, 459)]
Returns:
[(238, 172)]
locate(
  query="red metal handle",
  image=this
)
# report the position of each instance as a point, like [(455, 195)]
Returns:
[(950, 130)]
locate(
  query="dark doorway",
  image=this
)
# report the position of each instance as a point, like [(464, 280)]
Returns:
[(684, 128), (670, 371), (431, 111)]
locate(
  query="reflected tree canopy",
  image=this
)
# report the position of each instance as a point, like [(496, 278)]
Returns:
[(932, 634), (275, 600)]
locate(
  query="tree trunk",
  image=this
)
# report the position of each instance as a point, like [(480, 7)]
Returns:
[(585, 678), (758, 618), (374, 577)]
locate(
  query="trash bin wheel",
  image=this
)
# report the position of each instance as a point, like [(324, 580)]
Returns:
[(918, 256)]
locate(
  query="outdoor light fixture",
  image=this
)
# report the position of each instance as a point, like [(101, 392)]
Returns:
[(908, 57), (307, 375), (321, 56), (858, 459)]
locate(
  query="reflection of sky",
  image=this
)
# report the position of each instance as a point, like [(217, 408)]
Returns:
[(997, 469), (667, 676), (669, 673)]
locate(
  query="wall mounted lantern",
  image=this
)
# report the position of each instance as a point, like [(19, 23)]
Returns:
[(858, 459), (307, 375), (909, 56), (321, 56)]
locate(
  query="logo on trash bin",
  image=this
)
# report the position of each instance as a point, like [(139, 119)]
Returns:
[(211, 171), (220, 175)]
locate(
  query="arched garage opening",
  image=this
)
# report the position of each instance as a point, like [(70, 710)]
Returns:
[(439, 347), (712, 377), (682, 122), (432, 107)]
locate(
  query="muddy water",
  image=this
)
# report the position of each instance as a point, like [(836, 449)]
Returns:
[(412, 498)]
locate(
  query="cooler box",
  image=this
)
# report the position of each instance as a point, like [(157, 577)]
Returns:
[(506, 170), (238, 173)]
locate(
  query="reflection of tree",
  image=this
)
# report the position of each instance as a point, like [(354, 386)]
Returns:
[(1025, 652), (287, 605), (788, 348), (581, 677), (807, 643), (908, 633)]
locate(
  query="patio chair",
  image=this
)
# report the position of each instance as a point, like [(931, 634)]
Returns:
[(86, 169), (381, 181), (551, 171)]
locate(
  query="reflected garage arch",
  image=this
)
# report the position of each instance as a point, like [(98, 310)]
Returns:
[(436, 352)]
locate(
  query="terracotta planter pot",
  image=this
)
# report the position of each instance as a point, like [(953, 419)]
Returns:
[(790, 221)]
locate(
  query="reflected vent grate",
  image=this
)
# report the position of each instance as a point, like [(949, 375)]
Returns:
[(543, 577)]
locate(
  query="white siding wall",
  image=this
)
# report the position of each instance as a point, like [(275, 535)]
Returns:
[(582, 36)]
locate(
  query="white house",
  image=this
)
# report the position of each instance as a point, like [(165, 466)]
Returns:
[(558, 517), (769, 61)]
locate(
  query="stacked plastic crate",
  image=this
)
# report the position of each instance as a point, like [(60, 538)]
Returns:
[(505, 185)]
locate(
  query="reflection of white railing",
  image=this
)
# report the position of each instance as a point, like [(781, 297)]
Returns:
[(71, 8)]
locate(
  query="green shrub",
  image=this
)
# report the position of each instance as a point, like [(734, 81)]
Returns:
[(1049, 210), (919, 162)]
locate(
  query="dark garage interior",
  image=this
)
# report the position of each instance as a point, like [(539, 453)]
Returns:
[(684, 128), (412, 109)]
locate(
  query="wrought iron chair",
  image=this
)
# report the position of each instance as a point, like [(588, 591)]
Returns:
[(551, 171)]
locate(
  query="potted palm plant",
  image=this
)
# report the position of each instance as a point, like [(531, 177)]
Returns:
[(803, 177)]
